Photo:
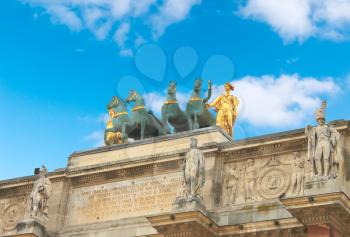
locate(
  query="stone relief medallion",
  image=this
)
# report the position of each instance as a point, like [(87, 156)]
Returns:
[(274, 179), (11, 217)]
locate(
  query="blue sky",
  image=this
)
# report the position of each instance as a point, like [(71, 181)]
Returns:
[(61, 61)]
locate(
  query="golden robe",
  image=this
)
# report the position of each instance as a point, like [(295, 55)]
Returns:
[(226, 107)]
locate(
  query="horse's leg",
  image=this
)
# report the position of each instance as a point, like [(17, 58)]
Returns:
[(124, 134), (190, 124), (196, 125), (165, 122), (143, 125)]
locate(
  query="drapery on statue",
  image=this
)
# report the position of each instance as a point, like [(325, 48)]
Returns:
[(226, 106), (39, 196), (323, 140), (194, 171)]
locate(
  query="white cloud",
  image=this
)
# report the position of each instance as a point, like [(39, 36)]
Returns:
[(101, 16), (281, 101), (97, 137), (64, 15), (154, 101), (301, 19), (267, 101), (120, 37), (172, 11)]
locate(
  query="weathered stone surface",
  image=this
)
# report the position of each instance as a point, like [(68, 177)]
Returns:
[(254, 187), (123, 199)]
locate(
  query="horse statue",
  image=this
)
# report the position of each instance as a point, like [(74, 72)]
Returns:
[(116, 131), (145, 123), (197, 112), (171, 112)]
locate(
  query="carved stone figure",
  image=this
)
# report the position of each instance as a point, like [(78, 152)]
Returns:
[(196, 109), (194, 171), (231, 182), (39, 196), (226, 106), (250, 180), (297, 176), (322, 147)]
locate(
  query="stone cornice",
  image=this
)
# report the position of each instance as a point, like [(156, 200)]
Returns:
[(170, 225), (153, 140), (54, 176), (333, 208), (294, 140), (122, 173)]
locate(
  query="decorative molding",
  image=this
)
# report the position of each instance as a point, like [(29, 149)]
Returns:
[(127, 173), (265, 150)]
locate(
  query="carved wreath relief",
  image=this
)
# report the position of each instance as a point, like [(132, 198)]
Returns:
[(256, 180), (274, 179), (11, 217), (11, 211)]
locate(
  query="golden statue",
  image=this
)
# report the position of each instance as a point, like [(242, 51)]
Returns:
[(226, 107)]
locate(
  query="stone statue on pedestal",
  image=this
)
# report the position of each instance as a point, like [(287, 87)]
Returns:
[(39, 197), (194, 171), (323, 140)]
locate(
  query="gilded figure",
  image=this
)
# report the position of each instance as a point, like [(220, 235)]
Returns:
[(226, 106)]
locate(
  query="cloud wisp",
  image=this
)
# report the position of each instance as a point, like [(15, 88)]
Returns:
[(301, 19), (117, 18)]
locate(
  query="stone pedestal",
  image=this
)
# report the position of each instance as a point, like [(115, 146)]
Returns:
[(189, 218), (320, 212), (31, 228)]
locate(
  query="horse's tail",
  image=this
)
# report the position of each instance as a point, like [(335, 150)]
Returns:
[(209, 93)]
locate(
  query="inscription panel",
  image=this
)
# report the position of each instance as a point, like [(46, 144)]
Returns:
[(124, 199)]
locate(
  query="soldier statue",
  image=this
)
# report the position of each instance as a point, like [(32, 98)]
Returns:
[(194, 171), (39, 196), (322, 147)]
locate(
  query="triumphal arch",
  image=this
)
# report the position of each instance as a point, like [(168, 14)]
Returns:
[(185, 175)]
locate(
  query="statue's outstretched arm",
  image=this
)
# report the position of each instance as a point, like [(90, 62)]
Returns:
[(215, 102)]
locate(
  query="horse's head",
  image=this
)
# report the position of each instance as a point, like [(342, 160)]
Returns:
[(197, 84), (116, 103), (172, 87), (133, 96)]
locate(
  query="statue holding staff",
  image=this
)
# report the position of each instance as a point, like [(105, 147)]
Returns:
[(226, 106)]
